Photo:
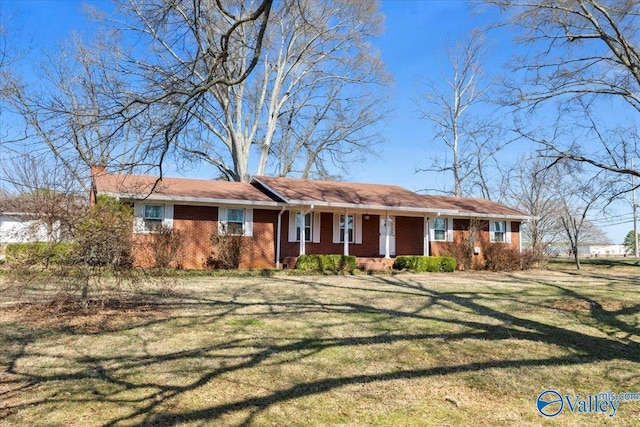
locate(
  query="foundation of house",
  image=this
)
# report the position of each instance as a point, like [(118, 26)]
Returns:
[(364, 264), (375, 264)]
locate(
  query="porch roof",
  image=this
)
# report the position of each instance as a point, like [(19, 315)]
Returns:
[(334, 194), (137, 187)]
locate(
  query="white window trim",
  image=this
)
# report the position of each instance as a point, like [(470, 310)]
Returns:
[(357, 228), (448, 236), (248, 220), (315, 227), (507, 231), (159, 218), (141, 223)]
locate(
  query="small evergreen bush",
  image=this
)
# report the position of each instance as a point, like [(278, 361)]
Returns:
[(421, 264), (327, 263), (39, 252)]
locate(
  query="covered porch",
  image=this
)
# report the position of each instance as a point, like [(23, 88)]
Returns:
[(368, 234)]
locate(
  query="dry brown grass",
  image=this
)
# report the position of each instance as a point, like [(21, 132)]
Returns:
[(432, 349)]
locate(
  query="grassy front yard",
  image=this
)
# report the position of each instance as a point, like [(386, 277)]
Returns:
[(430, 349)]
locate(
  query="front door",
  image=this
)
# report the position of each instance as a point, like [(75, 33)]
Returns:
[(391, 226)]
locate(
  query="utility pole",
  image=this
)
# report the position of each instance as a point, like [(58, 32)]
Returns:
[(635, 213)]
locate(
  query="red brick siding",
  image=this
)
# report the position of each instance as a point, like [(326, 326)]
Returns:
[(462, 225), (261, 248), (197, 223), (141, 251), (409, 235)]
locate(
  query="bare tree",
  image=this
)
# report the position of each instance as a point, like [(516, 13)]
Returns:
[(67, 117), (471, 141), (580, 195), (334, 130), (531, 187), (313, 55), (584, 55)]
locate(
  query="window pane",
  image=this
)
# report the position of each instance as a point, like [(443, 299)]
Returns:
[(499, 237), (235, 215), (438, 235), (440, 224), (497, 226), (307, 227), (153, 211), (349, 227), (235, 228)]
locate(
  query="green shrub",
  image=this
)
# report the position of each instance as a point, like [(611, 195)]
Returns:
[(327, 263), (420, 264), (449, 264), (308, 263), (39, 252)]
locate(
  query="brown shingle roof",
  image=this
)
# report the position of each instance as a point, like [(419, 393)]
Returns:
[(391, 196), (471, 206), (138, 186), (340, 194), (296, 191)]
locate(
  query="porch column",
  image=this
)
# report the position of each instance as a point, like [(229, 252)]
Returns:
[(346, 232), (425, 250), (387, 237), (302, 236)]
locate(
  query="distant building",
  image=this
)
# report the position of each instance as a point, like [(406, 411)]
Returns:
[(602, 250), (22, 228)]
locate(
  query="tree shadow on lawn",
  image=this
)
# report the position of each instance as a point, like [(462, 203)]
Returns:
[(151, 408)]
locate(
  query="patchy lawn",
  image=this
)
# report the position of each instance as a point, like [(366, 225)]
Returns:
[(430, 349)]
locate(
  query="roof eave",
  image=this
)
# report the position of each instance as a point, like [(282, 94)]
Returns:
[(493, 215), (203, 200), (338, 205)]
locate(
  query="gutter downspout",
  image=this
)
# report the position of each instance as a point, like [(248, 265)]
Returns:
[(279, 237)]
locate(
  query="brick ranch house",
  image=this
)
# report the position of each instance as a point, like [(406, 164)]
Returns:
[(282, 218)]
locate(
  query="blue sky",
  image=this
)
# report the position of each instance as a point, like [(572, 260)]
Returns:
[(412, 47)]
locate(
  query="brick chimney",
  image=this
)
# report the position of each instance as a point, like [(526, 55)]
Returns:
[(96, 171)]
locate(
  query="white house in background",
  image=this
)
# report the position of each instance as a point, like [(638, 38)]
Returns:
[(21, 228), (602, 250)]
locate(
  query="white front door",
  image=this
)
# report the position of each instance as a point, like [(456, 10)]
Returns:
[(389, 225)]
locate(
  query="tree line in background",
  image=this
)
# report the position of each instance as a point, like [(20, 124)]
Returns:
[(571, 91), (295, 88)]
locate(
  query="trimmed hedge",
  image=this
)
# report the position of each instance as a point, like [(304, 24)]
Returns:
[(55, 253), (421, 264), (327, 263)]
